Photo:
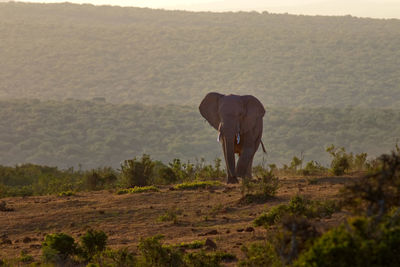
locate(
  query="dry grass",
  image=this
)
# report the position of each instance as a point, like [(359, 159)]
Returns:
[(204, 213)]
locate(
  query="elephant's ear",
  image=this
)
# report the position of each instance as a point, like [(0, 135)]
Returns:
[(254, 112), (209, 109)]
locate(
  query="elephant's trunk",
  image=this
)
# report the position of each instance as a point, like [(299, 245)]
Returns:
[(229, 151)]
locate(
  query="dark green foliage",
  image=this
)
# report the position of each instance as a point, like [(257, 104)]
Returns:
[(360, 242), (154, 254), (167, 175), (58, 247), (93, 242), (137, 172), (260, 254)]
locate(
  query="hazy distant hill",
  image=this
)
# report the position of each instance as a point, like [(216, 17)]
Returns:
[(130, 55), (95, 133)]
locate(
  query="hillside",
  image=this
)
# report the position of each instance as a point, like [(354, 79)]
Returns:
[(96, 133), (130, 55)]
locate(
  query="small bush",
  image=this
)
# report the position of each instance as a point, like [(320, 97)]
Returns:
[(298, 206), (58, 247), (92, 243), (313, 168), (137, 172), (258, 191), (197, 185)]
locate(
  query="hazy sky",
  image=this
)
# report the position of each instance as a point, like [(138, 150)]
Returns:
[(360, 8)]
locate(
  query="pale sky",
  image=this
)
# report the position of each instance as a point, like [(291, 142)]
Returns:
[(359, 8)]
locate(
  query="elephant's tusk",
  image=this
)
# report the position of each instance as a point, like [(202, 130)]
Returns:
[(219, 136), (238, 138)]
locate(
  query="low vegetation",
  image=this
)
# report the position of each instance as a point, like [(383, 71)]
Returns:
[(197, 185), (138, 189), (370, 203)]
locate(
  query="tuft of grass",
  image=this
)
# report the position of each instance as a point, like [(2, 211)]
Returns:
[(138, 189), (197, 185), (169, 215), (66, 193)]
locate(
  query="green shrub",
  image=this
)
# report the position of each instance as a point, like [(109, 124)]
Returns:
[(137, 172), (58, 247), (298, 206), (154, 254), (92, 243), (197, 185), (258, 191), (260, 254)]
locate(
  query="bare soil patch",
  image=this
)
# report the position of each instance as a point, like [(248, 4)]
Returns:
[(215, 214)]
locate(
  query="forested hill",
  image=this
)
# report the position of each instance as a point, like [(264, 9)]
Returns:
[(130, 55), (96, 133)]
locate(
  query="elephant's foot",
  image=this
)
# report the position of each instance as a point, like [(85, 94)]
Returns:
[(233, 180)]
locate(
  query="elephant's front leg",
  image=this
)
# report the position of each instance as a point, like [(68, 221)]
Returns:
[(245, 163), (249, 169), (230, 162)]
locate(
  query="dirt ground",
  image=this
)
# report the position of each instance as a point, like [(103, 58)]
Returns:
[(215, 214)]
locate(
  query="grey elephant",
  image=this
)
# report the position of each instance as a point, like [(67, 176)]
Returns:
[(239, 122)]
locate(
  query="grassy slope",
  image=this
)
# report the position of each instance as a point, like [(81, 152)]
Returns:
[(94, 133)]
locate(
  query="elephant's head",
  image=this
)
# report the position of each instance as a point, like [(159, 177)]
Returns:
[(237, 119)]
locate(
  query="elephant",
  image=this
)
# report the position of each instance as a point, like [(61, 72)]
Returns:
[(239, 122)]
